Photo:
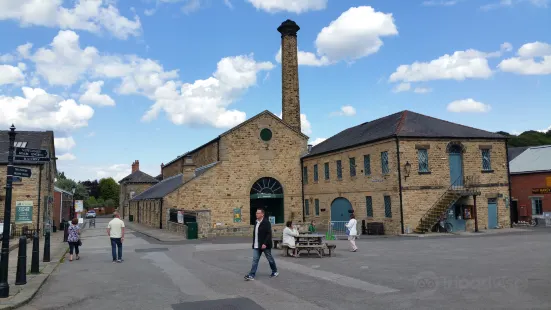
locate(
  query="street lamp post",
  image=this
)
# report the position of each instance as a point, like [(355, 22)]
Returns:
[(72, 210)]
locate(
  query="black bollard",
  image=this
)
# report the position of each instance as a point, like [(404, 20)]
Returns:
[(46, 255), (35, 260), (21, 276)]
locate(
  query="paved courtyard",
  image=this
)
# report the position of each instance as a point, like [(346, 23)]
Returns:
[(490, 272)]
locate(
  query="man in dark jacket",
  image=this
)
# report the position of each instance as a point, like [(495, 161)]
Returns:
[(262, 243)]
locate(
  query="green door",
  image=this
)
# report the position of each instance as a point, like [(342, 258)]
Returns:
[(192, 230)]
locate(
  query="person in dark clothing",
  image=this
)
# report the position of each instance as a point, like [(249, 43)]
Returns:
[(262, 243)]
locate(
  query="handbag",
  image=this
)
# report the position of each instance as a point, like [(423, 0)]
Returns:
[(79, 242)]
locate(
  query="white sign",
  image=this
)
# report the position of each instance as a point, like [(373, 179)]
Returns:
[(547, 217), (180, 217), (80, 220), (79, 206)]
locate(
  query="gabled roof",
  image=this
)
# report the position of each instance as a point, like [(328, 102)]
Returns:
[(139, 177), (34, 140), (534, 159), (265, 112), (516, 151), (405, 124)]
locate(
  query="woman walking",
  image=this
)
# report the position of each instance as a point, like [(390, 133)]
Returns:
[(352, 232), (74, 239)]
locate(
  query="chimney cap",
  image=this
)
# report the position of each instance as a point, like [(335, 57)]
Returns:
[(288, 28)]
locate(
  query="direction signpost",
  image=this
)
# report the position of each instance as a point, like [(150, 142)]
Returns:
[(30, 153), (19, 172)]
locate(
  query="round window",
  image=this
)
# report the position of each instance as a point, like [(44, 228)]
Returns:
[(266, 134)]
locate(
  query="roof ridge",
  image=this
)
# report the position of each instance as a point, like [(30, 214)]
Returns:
[(449, 122)]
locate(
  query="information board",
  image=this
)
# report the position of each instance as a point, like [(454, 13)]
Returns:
[(23, 212)]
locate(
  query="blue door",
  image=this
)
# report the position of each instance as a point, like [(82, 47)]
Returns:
[(456, 169), (339, 210), (492, 213)]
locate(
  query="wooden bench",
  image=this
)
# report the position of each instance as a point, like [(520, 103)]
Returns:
[(285, 249), (318, 248), (276, 242), (331, 248)]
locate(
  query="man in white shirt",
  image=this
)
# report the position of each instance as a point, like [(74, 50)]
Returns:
[(115, 231)]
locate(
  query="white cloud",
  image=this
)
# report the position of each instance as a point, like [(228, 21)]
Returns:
[(24, 50), (191, 6), (305, 125), (356, 33), (545, 130), (90, 15), (346, 110), (64, 144), (422, 90), (461, 65), (306, 59), (205, 102), (506, 47), (6, 58), (66, 157), (511, 3), (228, 4), (93, 95), (402, 87), (117, 171), (468, 105), (39, 110), (293, 6), (532, 59), (440, 2), (318, 141), (11, 75)]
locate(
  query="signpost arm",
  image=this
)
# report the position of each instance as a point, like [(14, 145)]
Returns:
[(4, 286)]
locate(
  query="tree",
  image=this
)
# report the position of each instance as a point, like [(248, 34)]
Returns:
[(93, 187), (109, 190), (91, 203), (81, 192), (528, 138)]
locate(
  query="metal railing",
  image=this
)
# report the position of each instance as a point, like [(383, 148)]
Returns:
[(338, 229), (458, 184), (21, 231)]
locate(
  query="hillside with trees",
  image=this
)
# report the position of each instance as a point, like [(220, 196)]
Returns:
[(528, 138), (96, 194)]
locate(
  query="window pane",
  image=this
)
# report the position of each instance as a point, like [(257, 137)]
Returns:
[(367, 165), (306, 207), (305, 175), (388, 207), (537, 206), (326, 167), (339, 169), (352, 167), (315, 173), (384, 162), (369, 206), (317, 207), (423, 156), (486, 160)]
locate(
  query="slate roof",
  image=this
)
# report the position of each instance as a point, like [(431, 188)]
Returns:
[(402, 124), (138, 177), (516, 151), (534, 159), (34, 140), (169, 185)]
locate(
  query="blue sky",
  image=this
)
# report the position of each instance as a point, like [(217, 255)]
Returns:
[(149, 80)]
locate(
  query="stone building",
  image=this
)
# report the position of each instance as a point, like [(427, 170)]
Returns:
[(132, 185), (37, 191), (405, 170)]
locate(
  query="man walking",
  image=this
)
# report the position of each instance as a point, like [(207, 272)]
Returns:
[(262, 243), (115, 231)]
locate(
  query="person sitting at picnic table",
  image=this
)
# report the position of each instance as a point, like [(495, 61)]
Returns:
[(312, 227), (289, 234)]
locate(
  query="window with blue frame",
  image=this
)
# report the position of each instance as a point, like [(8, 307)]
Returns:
[(486, 160), (306, 207), (305, 175), (326, 168), (339, 170), (537, 206), (317, 207), (352, 166), (388, 207), (315, 172), (369, 206), (367, 164), (384, 163), (423, 157)]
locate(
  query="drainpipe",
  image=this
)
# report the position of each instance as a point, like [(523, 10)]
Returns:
[(400, 184), (218, 152), (302, 187), (509, 181), (161, 214)]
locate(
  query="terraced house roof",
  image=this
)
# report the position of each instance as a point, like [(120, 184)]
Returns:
[(139, 177)]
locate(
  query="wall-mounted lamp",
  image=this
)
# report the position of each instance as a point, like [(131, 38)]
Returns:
[(407, 169)]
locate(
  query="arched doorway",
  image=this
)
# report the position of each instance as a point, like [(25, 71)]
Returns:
[(455, 158), (339, 210), (267, 193)]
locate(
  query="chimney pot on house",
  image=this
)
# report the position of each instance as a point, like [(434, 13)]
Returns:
[(135, 166), (309, 148)]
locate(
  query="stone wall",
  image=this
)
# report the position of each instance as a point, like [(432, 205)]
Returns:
[(355, 188), (201, 157), (178, 228), (126, 189), (148, 212), (245, 158)]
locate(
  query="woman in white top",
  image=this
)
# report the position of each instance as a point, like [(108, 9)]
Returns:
[(289, 234), (351, 225)]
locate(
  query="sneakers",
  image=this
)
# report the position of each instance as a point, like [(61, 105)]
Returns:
[(249, 278), (119, 260), (274, 274)]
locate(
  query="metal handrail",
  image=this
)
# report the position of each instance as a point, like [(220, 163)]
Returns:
[(451, 187)]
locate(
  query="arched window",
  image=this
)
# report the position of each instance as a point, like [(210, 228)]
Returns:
[(267, 185)]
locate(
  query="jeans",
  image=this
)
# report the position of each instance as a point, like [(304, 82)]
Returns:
[(256, 257), (73, 246), (116, 243)]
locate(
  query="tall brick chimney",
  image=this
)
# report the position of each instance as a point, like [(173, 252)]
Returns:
[(135, 166), (289, 74)]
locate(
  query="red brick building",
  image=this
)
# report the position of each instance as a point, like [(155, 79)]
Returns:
[(531, 183), (63, 200)]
